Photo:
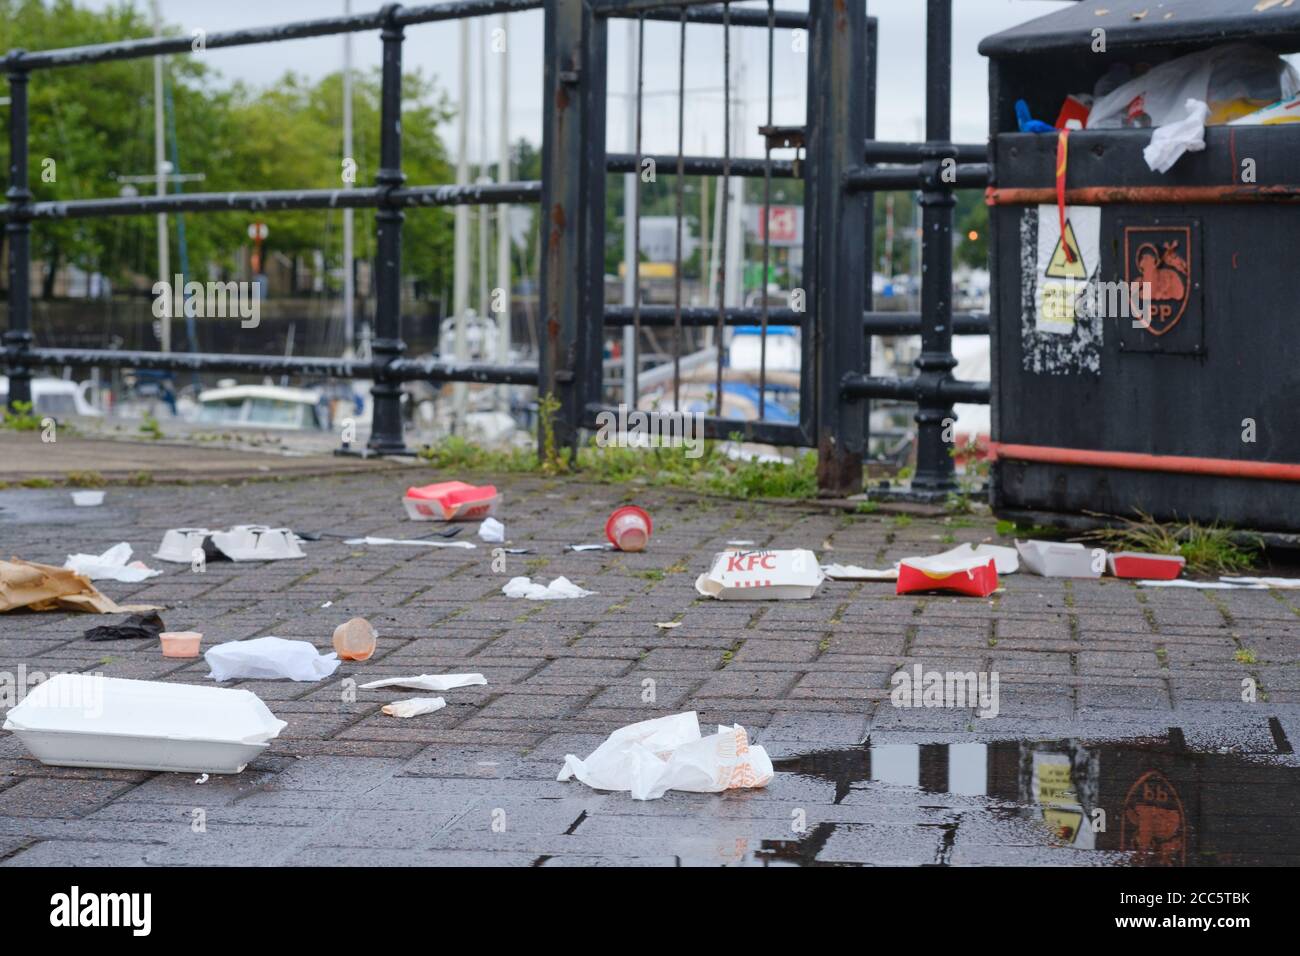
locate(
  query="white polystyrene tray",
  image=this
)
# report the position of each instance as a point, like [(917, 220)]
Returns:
[(82, 720)]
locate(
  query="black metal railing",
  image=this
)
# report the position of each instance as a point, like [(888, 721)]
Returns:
[(388, 368), (840, 170)]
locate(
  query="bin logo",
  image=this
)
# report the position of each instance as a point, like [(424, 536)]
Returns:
[(1154, 825), (1157, 256)]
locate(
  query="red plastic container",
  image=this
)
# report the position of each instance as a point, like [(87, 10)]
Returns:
[(1148, 567), (450, 501), (629, 528)]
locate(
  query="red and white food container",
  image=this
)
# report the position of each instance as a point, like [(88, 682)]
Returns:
[(628, 528), (1149, 567), (451, 501), (761, 576), (976, 575)]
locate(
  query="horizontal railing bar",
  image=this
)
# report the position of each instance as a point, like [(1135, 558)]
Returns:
[(299, 30), (278, 200), (740, 17), (879, 151), (916, 389), (873, 323), (909, 323), (666, 165), (659, 316), (886, 178), (721, 429), (406, 370)]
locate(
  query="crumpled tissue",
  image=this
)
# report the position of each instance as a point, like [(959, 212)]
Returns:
[(270, 658), (654, 756), (558, 589), (1169, 142), (111, 565)]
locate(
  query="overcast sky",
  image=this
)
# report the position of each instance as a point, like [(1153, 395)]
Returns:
[(435, 49)]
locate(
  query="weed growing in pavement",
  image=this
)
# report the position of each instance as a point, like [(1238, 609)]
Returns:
[(1208, 549), (713, 471), (150, 428), (84, 479), (20, 419)]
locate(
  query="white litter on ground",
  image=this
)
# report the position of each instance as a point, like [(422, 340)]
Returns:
[(412, 543), (652, 757), (87, 720), (270, 658), (414, 707), (434, 682), (244, 542), (851, 572), (111, 565), (492, 531), (558, 589), (1202, 585)]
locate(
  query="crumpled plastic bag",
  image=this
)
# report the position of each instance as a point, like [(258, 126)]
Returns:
[(434, 682), (557, 590), (492, 531), (1170, 141), (137, 627), (270, 658), (414, 707), (111, 565), (1233, 80), (654, 756)]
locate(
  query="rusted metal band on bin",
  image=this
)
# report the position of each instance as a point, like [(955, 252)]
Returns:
[(1153, 195), (1136, 461)]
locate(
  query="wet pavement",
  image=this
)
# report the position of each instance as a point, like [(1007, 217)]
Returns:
[(1132, 728)]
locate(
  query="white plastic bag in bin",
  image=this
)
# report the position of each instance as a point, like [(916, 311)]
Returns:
[(269, 658), (650, 758)]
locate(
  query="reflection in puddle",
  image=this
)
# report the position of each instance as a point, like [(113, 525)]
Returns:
[(1153, 801)]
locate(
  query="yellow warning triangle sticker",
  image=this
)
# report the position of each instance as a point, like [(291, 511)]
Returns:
[(1061, 268)]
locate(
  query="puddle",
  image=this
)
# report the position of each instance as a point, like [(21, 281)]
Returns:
[(1137, 803)]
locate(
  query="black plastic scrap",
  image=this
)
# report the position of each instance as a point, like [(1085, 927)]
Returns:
[(135, 628)]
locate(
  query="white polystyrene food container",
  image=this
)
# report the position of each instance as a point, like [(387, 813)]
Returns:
[(84, 720), (1061, 559)]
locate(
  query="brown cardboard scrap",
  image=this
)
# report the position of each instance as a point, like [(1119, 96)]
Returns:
[(42, 587)]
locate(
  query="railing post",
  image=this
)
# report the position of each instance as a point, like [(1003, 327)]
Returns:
[(834, 272), (386, 434), (19, 230), (573, 218), (934, 476)]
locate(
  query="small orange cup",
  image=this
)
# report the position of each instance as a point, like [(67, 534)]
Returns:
[(180, 643)]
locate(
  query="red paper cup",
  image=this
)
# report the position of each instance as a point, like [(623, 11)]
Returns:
[(628, 528)]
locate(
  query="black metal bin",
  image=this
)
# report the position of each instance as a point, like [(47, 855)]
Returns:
[(1183, 405)]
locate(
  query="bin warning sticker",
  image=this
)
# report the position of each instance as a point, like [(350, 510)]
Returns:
[(1068, 261), (1061, 327)]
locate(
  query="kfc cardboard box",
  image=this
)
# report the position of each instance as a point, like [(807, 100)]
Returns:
[(974, 574), (450, 501), (761, 576)]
